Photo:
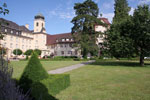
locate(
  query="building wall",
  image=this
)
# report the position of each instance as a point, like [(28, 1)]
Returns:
[(63, 49)]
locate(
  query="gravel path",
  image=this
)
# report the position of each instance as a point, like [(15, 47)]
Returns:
[(69, 68)]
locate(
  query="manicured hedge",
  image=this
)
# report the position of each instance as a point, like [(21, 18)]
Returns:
[(56, 83)]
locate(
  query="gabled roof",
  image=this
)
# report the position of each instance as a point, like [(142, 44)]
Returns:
[(51, 39)]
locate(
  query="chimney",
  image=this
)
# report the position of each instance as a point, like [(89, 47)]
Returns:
[(27, 26)]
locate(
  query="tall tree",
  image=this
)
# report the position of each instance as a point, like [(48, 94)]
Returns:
[(141, 31), (117, 42), (121, 11), (84, 26)]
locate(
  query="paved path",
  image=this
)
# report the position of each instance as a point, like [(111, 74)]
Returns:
[(69, 68)]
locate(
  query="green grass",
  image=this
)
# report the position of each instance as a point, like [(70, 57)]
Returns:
[(109, 80), (18, 66)]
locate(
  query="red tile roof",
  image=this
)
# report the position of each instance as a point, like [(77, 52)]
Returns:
[(105, 20), (51, 39)]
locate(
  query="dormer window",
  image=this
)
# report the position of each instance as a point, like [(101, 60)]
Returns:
[(63, 39), (71, 39), (67, 39), (5, 30), (11, 32)]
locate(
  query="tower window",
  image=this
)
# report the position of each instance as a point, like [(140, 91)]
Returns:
[(37, 24), (42, 24)]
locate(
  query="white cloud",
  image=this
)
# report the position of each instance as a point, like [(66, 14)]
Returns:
[(131, 11)]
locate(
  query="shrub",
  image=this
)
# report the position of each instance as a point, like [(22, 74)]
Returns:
[(38, 51), (56, 83), (28, 52), (17, 52), (33, 72)]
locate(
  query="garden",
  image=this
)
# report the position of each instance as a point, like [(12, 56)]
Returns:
[(109, 79)]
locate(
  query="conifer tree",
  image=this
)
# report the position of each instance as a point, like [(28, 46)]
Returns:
[(33, 72), (118, 42), (84, 26)]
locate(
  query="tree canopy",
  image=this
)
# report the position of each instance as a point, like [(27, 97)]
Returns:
[(140, 31), (84, 26), (117, 42), (17, 52)]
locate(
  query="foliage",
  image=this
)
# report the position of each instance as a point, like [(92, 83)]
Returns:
[(56, 83), (4, 11), (38, 51), (17, 52), (33, 72), (8, 89), (140, 31), (121, 11), (84, 26), (28, 52), (117, 42), (3, 51)]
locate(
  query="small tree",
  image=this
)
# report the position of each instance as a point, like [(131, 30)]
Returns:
[(33, 72), (17, 52), (2, 51), (28, 52), (38, 51)]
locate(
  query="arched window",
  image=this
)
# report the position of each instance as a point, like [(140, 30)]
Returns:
[(42, 24), (37, 24)]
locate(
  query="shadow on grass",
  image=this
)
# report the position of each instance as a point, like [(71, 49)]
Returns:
[(38, 91), (119, 63)]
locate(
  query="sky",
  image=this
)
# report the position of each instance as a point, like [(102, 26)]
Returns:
[(58, 13)]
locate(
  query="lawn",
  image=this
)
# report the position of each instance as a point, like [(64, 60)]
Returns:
[(18, 66), (109, 80)]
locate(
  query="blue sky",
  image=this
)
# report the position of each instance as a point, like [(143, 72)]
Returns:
[(58, 13)]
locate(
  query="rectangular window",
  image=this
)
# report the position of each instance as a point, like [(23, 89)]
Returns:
[(65, 45), (70, 45), (11, 38), (62, 52), (11, 45), (70, 52), (22, 46), (61, 45)]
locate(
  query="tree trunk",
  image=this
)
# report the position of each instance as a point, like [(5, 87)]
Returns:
[(142, 59)]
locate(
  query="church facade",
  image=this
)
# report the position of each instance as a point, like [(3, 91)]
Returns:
[(20, 37)]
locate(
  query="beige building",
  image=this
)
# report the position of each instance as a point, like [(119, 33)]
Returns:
[(20, 37)]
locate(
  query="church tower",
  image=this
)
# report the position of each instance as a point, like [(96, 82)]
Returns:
[(39, 23)]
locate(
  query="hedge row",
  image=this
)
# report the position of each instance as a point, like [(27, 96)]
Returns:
[(56, 83)]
